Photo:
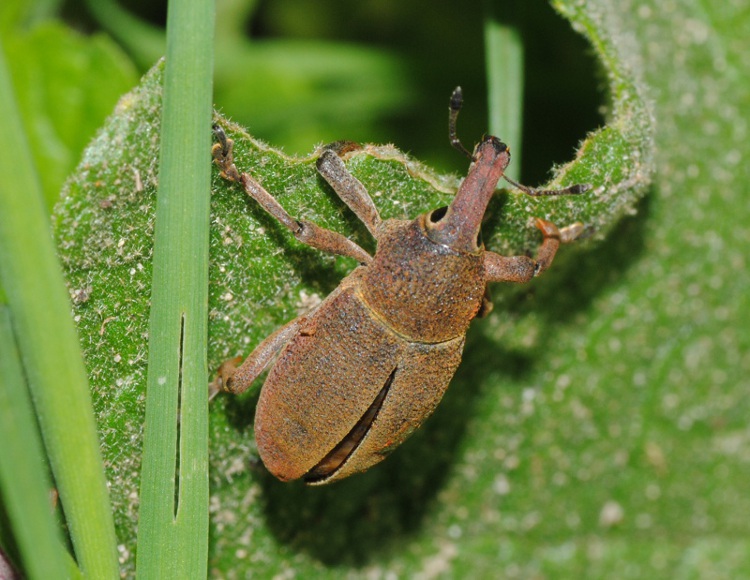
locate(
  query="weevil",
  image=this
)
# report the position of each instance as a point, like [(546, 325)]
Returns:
[(358, 374)]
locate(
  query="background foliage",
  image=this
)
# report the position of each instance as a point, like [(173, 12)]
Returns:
[(598, 424)]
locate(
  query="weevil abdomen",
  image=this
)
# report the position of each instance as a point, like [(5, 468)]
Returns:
[(312, 419), (418, 385)]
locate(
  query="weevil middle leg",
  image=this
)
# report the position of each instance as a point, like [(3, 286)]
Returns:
[(305, 231)]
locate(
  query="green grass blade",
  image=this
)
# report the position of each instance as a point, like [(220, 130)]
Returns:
[(504, 62), (24, 484), (143, 41), (36, 295), (173, 520)]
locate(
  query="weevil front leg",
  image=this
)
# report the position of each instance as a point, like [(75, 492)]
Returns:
[(521, 269), (349, 189), (305, 231)]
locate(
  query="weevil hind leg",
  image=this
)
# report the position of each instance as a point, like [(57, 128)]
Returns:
[(236, 380), (223, 374), (571, 232), (305, 231)]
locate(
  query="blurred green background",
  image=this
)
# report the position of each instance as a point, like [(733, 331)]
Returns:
[(382, 72), (305, 72)]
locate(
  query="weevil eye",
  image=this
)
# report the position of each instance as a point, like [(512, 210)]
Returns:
[(438, 214)]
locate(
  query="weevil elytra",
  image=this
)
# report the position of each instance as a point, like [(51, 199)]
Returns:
[(358, 374)]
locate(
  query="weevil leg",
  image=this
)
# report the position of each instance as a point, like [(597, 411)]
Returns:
[(237, 380), (305, 231), (349, 189), (223, 374), (522, 268)]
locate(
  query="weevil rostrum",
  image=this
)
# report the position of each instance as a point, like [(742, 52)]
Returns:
[(358, 374)]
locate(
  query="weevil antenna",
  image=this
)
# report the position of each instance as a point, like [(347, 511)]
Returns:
[(457, 100), (572, 190)]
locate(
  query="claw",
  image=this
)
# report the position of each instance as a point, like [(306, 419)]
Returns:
[(223, 156), (571, 232), (223, 376), (548, 229)]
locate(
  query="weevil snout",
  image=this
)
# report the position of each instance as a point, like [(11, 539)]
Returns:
[(496, 144), (458, 227)]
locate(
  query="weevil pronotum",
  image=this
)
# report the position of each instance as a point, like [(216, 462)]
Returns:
[(359, 373)]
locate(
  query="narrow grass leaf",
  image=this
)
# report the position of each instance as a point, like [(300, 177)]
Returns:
[(504, 64), (173, 519), (38, 303), (24, 481)]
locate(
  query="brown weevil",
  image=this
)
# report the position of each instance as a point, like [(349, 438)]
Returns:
[(359, 373)]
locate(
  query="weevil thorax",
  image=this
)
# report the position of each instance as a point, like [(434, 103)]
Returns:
[(427, 279)]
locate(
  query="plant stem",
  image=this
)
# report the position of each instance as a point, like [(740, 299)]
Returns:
[(504, 62)]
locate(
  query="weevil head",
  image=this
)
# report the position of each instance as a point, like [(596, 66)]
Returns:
[(427, 279), (458, 225)]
